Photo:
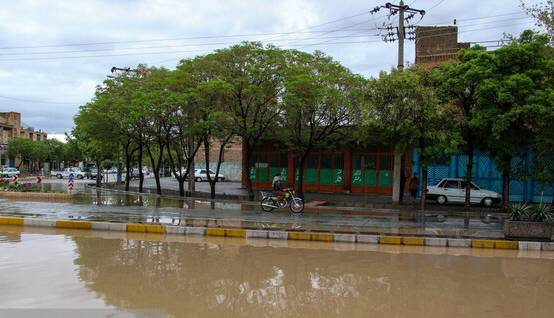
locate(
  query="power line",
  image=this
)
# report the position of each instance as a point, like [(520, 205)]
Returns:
[(436, 5), (146, 53), (480, 23), (481, 17), (190, 37), (185, 45), (36, 101)]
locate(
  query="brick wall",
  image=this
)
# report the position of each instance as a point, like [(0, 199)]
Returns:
[(436, 44), (231, 166)]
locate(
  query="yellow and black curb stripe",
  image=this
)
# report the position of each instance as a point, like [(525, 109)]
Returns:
[(283, 235)]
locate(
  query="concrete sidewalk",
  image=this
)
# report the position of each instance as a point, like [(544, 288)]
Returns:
[(234, 191), (118, 207)]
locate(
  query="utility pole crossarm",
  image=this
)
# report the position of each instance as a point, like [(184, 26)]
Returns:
[(405, 14)]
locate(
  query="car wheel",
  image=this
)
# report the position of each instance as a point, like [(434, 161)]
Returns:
[(487, 202), (80, 177), (59, 176), (441, 199), (219, 179), (198, 179)]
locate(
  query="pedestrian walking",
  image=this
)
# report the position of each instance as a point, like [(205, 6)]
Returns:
[(414, 186)]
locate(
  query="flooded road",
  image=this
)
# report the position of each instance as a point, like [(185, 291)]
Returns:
[(134, 274)]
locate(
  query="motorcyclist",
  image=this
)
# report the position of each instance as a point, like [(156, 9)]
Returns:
[(277, 186)]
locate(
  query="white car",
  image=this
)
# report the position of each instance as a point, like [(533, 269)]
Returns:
[(200, 175), (453, 190), (76, 172), (9, 172)]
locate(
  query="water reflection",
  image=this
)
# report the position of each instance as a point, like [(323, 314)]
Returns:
[(235, 280)]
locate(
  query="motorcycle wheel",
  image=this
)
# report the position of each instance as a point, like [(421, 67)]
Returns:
[(297, 205), (269, 201)]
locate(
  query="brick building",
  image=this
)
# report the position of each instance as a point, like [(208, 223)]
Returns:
[(11, 127), (436, 44), (231, 166)]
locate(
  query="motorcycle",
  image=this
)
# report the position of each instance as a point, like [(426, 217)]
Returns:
[(270, 201)]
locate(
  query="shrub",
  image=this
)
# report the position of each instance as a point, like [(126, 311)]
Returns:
[(542, 213), (520, 211)]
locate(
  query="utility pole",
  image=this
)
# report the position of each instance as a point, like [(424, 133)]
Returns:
[(401, 32), (393, 34)]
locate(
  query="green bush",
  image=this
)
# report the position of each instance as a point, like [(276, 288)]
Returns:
[(11, 187), (520, 211), (542, 213)]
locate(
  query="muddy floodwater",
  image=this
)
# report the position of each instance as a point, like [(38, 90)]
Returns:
[(134, 275)]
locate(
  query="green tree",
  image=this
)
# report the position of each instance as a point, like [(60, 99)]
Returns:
[(153, 103), (213, 98), (256, 75), (319, 103), (94, 134), (435, 136), (391, 110), (184, 133), (22, 148), (512, 100), (458, 85)]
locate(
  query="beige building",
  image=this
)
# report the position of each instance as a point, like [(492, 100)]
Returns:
[(10, 128)]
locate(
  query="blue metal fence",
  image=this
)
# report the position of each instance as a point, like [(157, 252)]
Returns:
[(487, 176)]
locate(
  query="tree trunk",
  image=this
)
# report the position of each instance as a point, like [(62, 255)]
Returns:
[(468, 177), (207, 163), (423, 188), (396, 177), (158, 183), (128, 172), (246, 165), (141, 175), (212, 189), (181, 186), (156, 166), (301, 176), (505, 188), (98, 174)]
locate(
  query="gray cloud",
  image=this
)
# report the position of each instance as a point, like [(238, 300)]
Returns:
[(71, 81)]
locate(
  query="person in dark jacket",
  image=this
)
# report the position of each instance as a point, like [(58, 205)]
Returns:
[(414, 186)]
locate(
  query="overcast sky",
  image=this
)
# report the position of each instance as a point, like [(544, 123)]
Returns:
[(54, 53)]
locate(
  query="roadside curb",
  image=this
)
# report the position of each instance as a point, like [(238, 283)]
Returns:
[(279, 235)]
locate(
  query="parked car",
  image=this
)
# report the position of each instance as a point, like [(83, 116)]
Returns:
[(9, 172), (452, 190), (92, 173), (135, 173), (200, 175), (77, 173)]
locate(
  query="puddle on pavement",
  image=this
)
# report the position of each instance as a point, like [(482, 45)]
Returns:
[(206, 277)]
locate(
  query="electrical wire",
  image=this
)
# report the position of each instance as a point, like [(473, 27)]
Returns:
[(435, 5), (182, 45), (35, 101), (145, 53)]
